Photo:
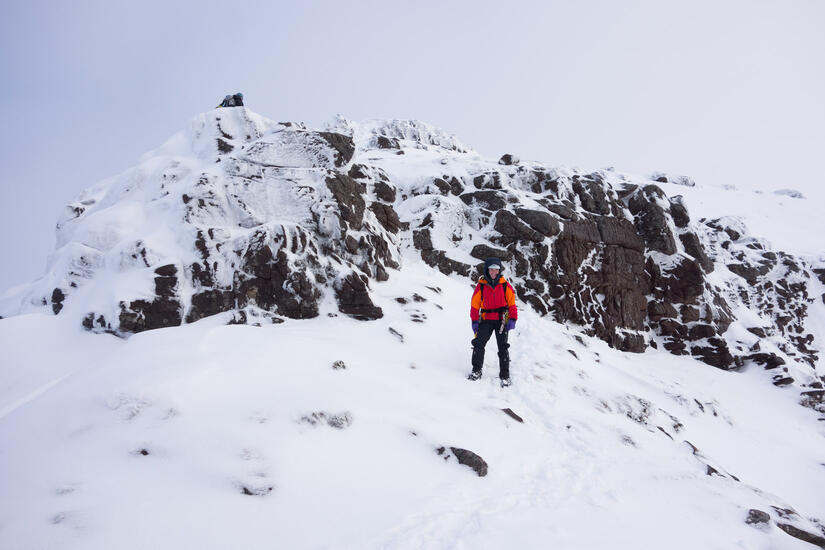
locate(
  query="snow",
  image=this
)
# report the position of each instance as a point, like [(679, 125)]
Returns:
[(219, 408), (153, 441), (789, 224)]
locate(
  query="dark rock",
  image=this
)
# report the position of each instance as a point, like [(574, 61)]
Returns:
[(482, 252), (813, 399), (592, 196), (716, 354), (757, 331), (491, 200), (679, 212), (657, 311), (802, 535), (694, 247), (509, 412), (386, 216), (210, 302), (671, 327), (749, 273), (224, 147), (768, 360), (385, 142), (689, 313), (583, 230), (169, 270), (651, 221), (508, 160), (339, 365), (684, 284), (560, 210), (699, 331), (272, 283), (422, 240), (513, 229), (780, 380), (542, 222), (57, 300), (757, 516), (455, 186), (676, 347), (358, 171), (442, 185), (256, 491), (343, 145), (141, 315), (620, 232), (347, 194), (354, 299), (447, 266), (469, 458)]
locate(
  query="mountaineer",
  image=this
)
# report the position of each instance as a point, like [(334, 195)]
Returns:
[(492, 310)]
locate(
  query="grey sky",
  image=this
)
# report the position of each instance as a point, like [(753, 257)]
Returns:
[(729, 92)]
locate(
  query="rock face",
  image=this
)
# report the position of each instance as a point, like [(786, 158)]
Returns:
[(259, 221)]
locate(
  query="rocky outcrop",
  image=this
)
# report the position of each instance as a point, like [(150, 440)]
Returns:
[(269, 219)]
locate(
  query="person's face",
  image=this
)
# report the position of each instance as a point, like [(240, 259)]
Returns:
[(493, 272)]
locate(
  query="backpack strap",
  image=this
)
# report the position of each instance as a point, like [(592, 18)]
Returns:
[(499, 310)]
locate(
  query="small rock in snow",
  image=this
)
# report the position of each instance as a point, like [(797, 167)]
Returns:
[(758, 518), (509, 412), (396, 334)]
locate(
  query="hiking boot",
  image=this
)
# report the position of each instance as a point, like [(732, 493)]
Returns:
[(475, 375), (505, 382)]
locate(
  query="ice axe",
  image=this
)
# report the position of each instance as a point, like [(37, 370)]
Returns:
[(504, 319)]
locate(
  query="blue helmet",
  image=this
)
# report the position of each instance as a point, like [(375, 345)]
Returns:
[(239, 94)]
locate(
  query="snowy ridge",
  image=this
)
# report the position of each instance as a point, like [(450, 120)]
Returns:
[(309, 428), (394, 134), (270, 220)]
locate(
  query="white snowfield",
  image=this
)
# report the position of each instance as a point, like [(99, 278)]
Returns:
[(209, 436)]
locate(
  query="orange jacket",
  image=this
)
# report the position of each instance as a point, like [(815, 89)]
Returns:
[(488, 298)]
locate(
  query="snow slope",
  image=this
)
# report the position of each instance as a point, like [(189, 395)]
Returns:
[(600, 460)]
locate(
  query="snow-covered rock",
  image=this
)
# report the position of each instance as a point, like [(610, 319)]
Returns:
[(307, 428), (261, 221)]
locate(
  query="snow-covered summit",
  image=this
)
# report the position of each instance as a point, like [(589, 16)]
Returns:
[(257, 219), (245, 434), (396, 134)]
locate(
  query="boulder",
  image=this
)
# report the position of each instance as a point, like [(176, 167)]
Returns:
[(469, 458), (385, 191), (514, 230), (694, 247), (542, 222), (354, 299), (508, 160), (491, 200)]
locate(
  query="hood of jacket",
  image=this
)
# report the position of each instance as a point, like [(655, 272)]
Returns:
[(487, 263)]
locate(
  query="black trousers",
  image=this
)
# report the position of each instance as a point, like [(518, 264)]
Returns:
[(485, 330)]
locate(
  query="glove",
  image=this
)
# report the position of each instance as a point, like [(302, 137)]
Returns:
[(475, 326), (511, 324)]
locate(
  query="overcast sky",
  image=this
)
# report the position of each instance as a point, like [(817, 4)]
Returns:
[(728, 92)]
